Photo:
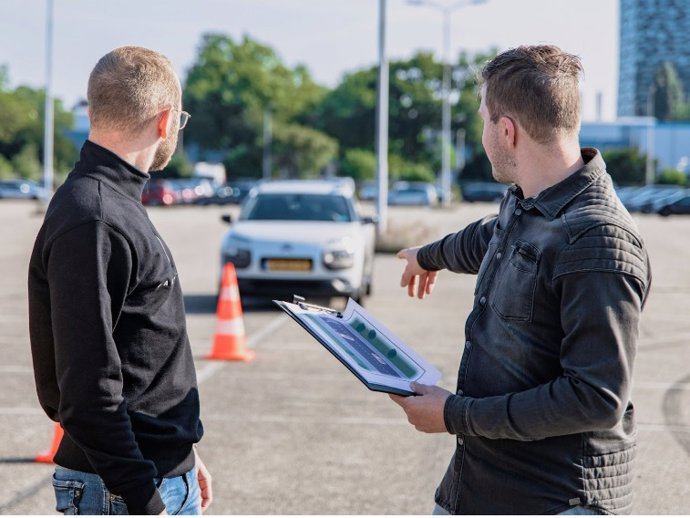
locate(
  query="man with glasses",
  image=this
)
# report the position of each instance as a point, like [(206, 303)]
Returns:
[(112, 360)]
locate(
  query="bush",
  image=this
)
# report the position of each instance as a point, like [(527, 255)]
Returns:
[(26, 163), (672, 177), (359, 164), (626, 166), (6, 169)]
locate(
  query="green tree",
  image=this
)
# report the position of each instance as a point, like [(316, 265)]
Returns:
[(478, 168), (667, 92), (302, 152), (230, 87), (22, 125), (26, 162), (626, 166), (6, 169), (359, 164), (348, 112)]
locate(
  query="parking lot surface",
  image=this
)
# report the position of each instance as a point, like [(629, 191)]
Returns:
[(294, 432)]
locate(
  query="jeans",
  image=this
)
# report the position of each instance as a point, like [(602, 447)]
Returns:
[(578, 509), (77, 492)]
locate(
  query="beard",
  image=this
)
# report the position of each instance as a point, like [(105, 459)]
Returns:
[(165, 151), (503, 163)]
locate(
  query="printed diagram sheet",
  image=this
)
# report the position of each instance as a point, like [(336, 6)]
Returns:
[(365, 346)]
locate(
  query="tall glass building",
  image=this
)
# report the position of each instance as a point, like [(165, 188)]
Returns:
[(651, 33)]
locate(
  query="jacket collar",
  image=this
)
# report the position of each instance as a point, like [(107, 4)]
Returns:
[(104, 165), (550, 202)]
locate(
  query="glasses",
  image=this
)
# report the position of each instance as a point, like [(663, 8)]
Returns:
[(184, 119)]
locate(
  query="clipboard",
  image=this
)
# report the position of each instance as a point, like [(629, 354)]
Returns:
[(369, 350)]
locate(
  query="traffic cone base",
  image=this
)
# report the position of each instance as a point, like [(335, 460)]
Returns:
[(47, 456), (229, 341)]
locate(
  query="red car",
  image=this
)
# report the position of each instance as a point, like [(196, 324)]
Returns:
[(158, 192)]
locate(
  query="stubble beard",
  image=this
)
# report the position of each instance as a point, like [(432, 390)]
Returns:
[(165, 151)]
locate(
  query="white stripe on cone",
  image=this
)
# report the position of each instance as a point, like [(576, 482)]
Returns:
[(234, 327), (230, 293)]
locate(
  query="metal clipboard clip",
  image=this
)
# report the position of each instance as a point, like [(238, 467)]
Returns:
[(301, 302)]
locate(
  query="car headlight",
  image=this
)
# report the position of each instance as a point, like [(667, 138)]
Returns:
[(240, 257), (338, 259)]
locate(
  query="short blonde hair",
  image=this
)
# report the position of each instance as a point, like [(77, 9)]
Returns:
[(129, 86)]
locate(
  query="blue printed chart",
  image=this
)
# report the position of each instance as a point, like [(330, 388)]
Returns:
[(365, 346)]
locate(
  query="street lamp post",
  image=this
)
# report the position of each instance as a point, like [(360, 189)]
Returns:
[(382, 125), (48, 115), (446, 11)]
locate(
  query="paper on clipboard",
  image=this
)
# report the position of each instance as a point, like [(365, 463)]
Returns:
[(365, 346)]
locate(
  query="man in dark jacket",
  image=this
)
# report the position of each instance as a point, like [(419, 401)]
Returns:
[(542, 412), (111, 356)]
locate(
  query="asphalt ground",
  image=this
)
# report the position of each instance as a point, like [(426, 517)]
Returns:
[(293, 432)]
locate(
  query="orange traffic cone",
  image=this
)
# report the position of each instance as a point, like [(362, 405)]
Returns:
[(229, 342), (47, 456)]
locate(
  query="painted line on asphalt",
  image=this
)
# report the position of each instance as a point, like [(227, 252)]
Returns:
[(15, 369), (253, 342), (277, 419), (660, 385), (25, 493), (675, 428), (21, 411)]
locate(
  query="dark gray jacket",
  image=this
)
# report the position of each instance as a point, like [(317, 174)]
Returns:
[(542, 414)]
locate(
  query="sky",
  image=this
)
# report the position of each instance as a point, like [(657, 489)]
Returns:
[(330, 37)]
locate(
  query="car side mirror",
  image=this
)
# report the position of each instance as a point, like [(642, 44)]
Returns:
[(370, 220), (226, 218)]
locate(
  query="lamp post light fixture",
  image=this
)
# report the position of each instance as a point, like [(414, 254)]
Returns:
[(446, 11)]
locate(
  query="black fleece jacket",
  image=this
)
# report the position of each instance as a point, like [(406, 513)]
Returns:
[(111, 356)]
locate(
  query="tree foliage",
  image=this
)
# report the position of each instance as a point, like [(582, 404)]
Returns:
[(359, 164), (626, 166), (230, 87), (21, 131)]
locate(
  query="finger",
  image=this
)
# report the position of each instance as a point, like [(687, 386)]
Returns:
[(421, 288), (411, 286), (431, 282), (405, 278), (402, 254), (420, 388)]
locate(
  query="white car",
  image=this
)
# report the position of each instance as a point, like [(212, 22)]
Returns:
[(412, 193), (301, 237)]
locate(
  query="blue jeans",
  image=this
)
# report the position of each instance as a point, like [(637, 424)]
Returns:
[(77, 492), (438, 510)]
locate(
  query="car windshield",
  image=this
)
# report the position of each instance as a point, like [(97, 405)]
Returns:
[(298, 207)]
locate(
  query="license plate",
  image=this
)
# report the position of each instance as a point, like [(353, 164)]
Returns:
[(288, 265)]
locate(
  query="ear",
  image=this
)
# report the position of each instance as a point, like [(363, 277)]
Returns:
[(164, 123), (508, 131)]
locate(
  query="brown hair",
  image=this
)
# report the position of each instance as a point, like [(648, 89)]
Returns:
[(128, 86), (536, 85)]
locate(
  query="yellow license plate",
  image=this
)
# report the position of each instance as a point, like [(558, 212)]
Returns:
[(288, 265)]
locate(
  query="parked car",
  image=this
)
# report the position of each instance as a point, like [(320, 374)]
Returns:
[(483, 191), (230, 193), (644, 198), (369, 191), (301, 237), (22, 189), (158, 192), (680, 205), (413, 193)]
